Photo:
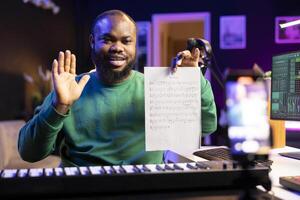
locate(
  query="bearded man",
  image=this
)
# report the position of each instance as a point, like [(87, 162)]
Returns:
[(100, 115)]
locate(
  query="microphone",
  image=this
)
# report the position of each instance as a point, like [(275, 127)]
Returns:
[(205, 51), (207, 57)]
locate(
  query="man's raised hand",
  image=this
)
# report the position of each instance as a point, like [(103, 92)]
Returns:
[(186, 59), (67, 89)]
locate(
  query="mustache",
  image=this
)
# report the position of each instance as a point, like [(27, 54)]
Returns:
[(109, 76)]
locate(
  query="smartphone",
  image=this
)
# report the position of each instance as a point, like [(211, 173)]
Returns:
[(249, 131)]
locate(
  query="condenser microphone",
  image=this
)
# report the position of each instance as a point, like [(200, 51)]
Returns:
[(207, 57), (205, 51)]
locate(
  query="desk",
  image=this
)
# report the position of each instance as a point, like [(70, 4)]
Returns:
[(282, 166)]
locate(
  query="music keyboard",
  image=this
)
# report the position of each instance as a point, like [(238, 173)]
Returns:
[(126, 178)]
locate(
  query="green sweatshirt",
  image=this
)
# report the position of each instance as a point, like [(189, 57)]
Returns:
[(105, 126)]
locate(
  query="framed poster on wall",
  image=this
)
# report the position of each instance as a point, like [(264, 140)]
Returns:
[(289, 34), (233, 32)]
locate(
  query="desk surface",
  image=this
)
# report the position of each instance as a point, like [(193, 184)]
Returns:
[(282, 166)]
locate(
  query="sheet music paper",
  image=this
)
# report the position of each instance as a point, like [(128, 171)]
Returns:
[(172, 109)]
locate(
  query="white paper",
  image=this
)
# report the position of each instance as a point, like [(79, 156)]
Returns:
[(172, 109)]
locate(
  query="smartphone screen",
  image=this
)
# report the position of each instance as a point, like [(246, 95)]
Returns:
[(246, 106)]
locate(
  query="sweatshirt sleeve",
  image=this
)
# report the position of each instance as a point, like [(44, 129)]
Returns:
[(208, 108), (37, 137)]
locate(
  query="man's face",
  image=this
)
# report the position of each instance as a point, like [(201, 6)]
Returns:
[(113, 46)]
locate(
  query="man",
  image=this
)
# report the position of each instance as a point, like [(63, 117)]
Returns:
[(100, 115)]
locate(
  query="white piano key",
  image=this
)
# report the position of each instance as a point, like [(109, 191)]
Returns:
[(109, 170), (152, 167), (119, 169), (160, 167), (146, 169), (71, 171), (84, 170), (9, 173), (169, 167), (22, 172), (142, 168), (128, 168), (35, 172), (96, 170), (59, 171), (183, 166), (49, 172), (136, 169), (192, 166)]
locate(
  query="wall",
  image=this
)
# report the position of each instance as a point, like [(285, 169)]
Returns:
[(30, 36), (260, 26)]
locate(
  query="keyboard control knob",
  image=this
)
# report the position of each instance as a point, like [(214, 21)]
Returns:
[(234, 165)]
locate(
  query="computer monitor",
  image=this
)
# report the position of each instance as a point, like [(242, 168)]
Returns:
[(285, 87), (285, 90)]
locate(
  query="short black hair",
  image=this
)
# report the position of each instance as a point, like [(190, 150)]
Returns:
[(110, 13)]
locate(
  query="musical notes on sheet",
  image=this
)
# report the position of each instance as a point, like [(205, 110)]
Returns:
[(172, 102), (172, 108)]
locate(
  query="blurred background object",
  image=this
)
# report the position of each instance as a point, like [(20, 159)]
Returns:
[(44, 4)]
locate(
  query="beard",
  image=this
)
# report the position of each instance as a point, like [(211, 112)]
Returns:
[(107, 74)]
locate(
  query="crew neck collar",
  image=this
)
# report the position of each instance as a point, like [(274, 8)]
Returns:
[(127, 80)]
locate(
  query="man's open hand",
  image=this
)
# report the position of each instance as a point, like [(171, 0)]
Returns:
[(67, 89)]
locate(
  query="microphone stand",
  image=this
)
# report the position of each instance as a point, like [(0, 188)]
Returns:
[(248, 181), (208, 57)]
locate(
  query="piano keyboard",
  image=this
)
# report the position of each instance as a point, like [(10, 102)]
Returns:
[(124, 178)]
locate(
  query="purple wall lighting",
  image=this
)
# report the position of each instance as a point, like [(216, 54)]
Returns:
[(289, 34), (233, 32)]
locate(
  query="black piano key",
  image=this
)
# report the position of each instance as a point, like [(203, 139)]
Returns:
[(103, 170), (168, 167), (48, 172), (84, 171), (190, 166), (159, 168), (22, 173), (112, 170), (136, 169), (38, 172), (122, 170), (96, 170), (145, 168), (59, 171), (177, 167), (71, 171), (202, 165)]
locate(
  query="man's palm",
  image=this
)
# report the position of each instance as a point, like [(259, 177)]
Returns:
[(66, 88)]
